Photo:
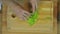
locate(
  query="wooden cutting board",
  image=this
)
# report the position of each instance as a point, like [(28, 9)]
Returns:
[(44, 24)]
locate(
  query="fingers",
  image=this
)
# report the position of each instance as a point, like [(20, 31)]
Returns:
[(25, 14)]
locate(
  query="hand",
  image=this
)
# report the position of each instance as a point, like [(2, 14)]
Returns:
[(34, 5), (21, 13), (24, 14)]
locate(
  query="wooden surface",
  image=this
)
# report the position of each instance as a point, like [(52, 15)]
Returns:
[(43, 23), (5, 25)]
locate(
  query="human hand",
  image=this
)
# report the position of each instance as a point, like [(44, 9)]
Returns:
[(24, 14)]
